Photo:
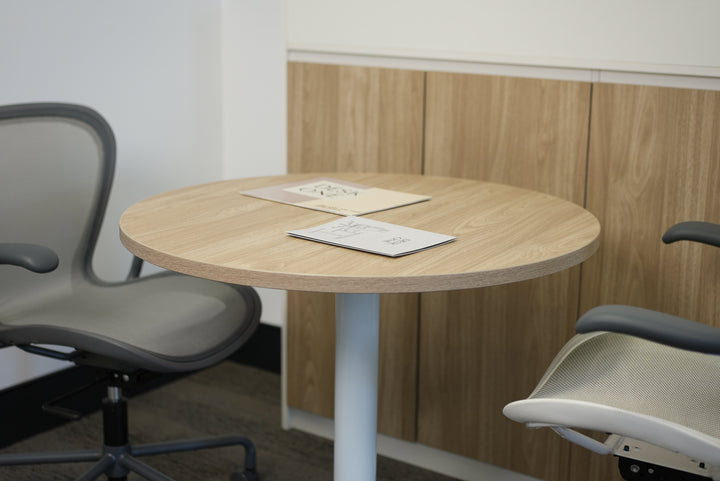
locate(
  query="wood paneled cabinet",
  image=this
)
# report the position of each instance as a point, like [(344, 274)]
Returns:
[(640, 158)]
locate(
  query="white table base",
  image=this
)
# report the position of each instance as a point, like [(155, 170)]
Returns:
[(357, 325)]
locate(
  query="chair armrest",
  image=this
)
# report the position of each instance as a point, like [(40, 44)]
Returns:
[(32, 257), (653, 326), (704, 232)]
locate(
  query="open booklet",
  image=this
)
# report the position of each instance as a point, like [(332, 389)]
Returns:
[(336, 196), (373, 236)]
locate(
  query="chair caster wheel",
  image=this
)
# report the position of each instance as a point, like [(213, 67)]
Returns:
[(244, 476)]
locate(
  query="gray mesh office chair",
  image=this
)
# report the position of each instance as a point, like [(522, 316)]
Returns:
[(650, 379), (56, 169)]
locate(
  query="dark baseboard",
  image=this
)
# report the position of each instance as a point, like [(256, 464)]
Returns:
[(263, 350), (21, 405)]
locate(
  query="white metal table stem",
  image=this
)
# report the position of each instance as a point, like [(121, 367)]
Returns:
[(357, 333)]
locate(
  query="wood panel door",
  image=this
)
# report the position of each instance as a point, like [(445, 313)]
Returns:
[(483, 348), (343, 118), (654, 161)]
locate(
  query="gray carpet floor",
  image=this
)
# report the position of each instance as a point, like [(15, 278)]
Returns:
[(228, 398)]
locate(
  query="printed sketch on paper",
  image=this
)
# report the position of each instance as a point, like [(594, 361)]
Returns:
[(327, 190), (350, 227), (396, 241)]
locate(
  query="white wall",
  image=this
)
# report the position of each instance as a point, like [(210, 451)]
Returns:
[(155, 71), (659, 36), (254, 103), (152, 69), (254, 87)]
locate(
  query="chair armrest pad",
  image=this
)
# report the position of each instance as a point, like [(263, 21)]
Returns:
[(653, 326), (704, 232), (35, 258)]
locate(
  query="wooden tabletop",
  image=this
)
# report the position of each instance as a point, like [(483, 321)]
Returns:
[(504, 234)]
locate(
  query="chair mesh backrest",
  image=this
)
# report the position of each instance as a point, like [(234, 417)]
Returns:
[(56, 167), (639, 376)]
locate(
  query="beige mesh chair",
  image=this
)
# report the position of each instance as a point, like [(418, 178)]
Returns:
[(56, 169), (650, 379)]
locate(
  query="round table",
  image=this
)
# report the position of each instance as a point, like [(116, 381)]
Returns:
[(504, 234)]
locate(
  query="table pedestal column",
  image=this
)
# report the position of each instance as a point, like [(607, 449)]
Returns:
[(357, 325)]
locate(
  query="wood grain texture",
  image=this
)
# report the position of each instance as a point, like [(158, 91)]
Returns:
[(216, 232), (530, 133), (482, 348), (354, 119), (654, 161), (311, 358), (310, 365)]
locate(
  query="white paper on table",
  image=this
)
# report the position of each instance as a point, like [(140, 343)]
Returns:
[(373, 236)]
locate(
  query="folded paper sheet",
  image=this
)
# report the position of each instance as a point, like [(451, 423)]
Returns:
[(373, 236)]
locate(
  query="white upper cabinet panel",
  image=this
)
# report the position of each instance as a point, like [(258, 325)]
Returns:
[(652, 36)]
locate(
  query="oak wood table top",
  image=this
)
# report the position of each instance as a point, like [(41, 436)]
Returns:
[(504, 234)]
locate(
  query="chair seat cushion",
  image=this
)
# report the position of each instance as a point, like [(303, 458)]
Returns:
[(164, 322)]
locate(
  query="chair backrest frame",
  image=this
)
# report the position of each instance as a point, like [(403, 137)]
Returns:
[(96, 126)]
